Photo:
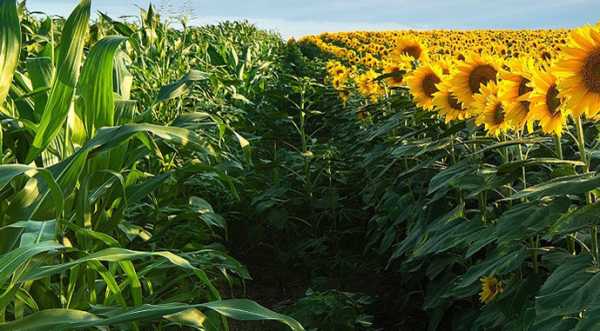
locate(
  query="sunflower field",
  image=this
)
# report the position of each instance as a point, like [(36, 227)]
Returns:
[(480, 160), (219, 177)]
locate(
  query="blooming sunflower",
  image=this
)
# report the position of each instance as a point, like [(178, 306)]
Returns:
[(481, 99), (578, 71), (397, 71), (423, 84), (490, 288), (514, 91), (409, 47), (546, 105), (448, 105), (476, 71), (446, 64), (367, 86), (493, 117)]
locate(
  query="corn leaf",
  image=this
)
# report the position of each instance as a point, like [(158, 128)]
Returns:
[(10, 44), (63, 87), (64, 319), (96, 85)]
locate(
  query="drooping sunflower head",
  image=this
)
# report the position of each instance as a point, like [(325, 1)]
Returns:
[(578, 71), (448, 105), (490, 288), (409, 47), (470, 75), (423, 84), (514, 91), (546, 107)]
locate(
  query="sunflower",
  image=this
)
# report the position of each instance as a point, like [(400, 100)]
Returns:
[(546, 105), (448, 105), (481, 99), (397, 72), (446, 64), (514, 91), (409, 47), (423, 84), (369, 61), (493, 117), (338, 83), (578, 71), (367, 86), (490, 288), (476, 71)]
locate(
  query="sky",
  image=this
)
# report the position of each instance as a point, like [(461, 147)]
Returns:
[(296, 18)]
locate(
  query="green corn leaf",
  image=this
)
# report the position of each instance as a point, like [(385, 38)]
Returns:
[(10, 44), (180, 87), (8, 172), (14, 259), (41, 72), (113, 254), (53, 319), (96, 85), (247, 310), (65, 319), (67, 172), (134, 281), (34, 232), (120, 27), (63, 86)]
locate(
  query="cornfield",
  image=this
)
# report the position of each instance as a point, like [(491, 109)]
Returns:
[(154, 178)]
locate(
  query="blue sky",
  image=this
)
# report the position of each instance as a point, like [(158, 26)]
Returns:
[(297, 18)]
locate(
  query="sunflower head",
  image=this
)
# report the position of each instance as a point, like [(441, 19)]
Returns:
[(493, 117), (448, 105), (578, 72), (368, 86), (514, 91), (410, 47), (447, 65), (546, 107), (397, 71), (480, 100), (472, 74), (423, 84), (490, 288)]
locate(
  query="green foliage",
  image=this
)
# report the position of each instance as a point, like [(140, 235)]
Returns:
[(333, 310), (137, 160), (86, 229)]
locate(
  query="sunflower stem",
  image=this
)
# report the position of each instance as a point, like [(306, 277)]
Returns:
[(454, 161), (588, 195), (507, 158), (534, 254), (522, 158), (558, 146)]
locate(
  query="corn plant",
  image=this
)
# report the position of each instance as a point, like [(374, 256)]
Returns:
[(73, 165)]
